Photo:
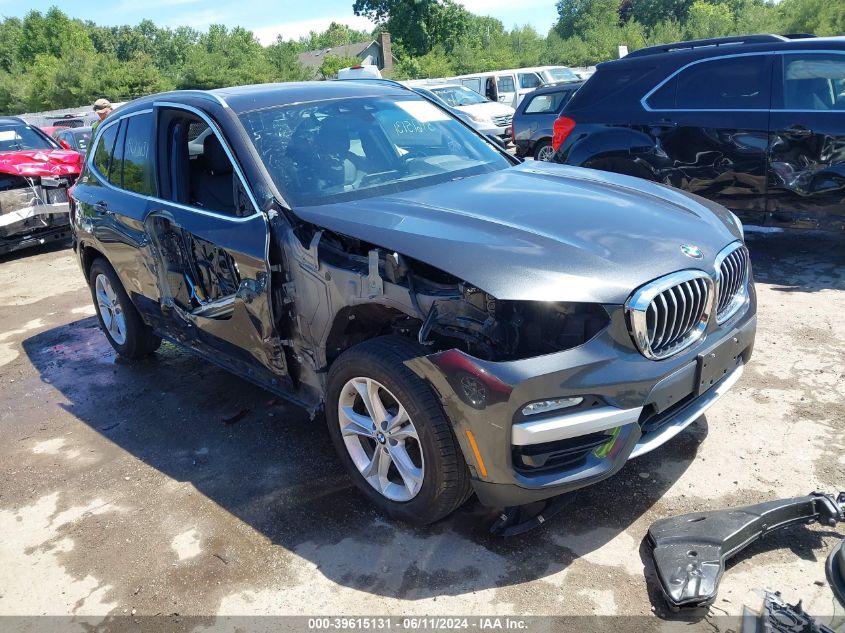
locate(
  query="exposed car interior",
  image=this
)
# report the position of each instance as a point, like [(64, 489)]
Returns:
[(201, 173)]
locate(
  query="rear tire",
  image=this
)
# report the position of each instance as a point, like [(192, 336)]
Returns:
[(119, 320), (420, 475), (544, 151)]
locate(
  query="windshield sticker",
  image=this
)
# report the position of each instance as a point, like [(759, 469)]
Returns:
[(423, 111)]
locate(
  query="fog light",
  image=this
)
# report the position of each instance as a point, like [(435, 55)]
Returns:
[(544, 406)]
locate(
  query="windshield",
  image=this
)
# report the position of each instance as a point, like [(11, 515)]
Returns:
[(561, 74), (14, 138), (349, 149), (459, 96)]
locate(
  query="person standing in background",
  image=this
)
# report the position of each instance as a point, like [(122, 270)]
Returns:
[(103, 108)]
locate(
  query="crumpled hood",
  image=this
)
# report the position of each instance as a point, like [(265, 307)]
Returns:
[(541, 231), (53, 162)]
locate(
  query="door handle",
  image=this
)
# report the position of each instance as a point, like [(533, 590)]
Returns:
[(798, 131), (102, 207)]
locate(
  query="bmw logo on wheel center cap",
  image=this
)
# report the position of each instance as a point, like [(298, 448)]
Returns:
[(691, 250)]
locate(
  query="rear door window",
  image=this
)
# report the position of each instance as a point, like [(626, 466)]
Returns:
[(550, 103), (814, 82), (138, 168), (105, 149), (731, 83)]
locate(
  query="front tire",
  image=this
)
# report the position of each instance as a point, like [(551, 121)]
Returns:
[(391, 433), (119, 320)]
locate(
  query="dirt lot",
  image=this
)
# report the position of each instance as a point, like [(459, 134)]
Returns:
[(125, 491)]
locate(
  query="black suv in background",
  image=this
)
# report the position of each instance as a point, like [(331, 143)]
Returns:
[(755, 123), (535, 116)]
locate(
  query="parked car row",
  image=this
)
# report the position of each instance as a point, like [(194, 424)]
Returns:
[(755, 123)]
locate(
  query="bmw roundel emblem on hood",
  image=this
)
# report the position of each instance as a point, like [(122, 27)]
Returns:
[(691, 250)]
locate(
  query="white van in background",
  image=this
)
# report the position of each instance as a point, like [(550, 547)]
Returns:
[(510, 86)]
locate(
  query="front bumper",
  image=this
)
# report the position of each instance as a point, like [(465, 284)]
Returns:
[(33, 225), (631, 405)]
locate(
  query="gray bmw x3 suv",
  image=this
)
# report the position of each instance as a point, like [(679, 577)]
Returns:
[(466, 322)]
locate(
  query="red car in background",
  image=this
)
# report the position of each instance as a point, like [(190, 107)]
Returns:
[(35, 175)]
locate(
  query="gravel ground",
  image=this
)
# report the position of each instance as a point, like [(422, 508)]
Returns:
[(125, 491)]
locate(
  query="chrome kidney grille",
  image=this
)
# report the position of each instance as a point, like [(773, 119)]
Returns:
[(669, 314), (732, 269), (503, 120)]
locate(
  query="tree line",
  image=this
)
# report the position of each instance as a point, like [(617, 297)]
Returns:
[(50, 60)]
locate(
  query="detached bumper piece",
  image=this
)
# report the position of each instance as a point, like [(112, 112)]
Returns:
[(690, 550), (780, 617)]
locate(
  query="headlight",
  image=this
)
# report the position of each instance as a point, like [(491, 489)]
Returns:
[(481, 119), (738, 224)]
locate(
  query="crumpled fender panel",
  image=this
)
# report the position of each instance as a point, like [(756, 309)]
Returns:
[(690, 550), (41, 163)]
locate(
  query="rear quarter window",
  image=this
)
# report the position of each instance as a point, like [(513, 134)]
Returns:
[(611, 82), (549, 103)]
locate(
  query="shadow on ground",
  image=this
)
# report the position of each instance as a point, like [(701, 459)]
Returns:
[(798, 261), (272, 467)]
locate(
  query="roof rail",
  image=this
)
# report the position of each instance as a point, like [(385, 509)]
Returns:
[(715, 41)]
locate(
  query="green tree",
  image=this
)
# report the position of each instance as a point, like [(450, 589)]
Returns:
[(333, 63), (283, 59), (224, 58), (335, 35), (708, 20), (820, 17), (420, 25)]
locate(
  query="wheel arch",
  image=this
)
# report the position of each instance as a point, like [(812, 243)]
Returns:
[(357, 323), (87, 255), (608, 143)]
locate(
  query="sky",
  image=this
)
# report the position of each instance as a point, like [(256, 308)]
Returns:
[(266, 20)]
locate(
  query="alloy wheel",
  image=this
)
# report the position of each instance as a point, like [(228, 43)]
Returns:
[(546, 153), (110, 310), (381, 439)]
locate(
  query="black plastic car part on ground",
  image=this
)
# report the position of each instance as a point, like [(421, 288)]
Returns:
[(293, 233), (755, 123), (690, 550)]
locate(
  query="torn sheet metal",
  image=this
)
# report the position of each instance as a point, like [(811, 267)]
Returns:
[(690, 550), (33, 163)]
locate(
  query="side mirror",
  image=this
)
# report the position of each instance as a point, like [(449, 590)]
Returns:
[(64, 144)]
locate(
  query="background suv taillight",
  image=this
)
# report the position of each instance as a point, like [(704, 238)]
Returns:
[(560, 130)]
